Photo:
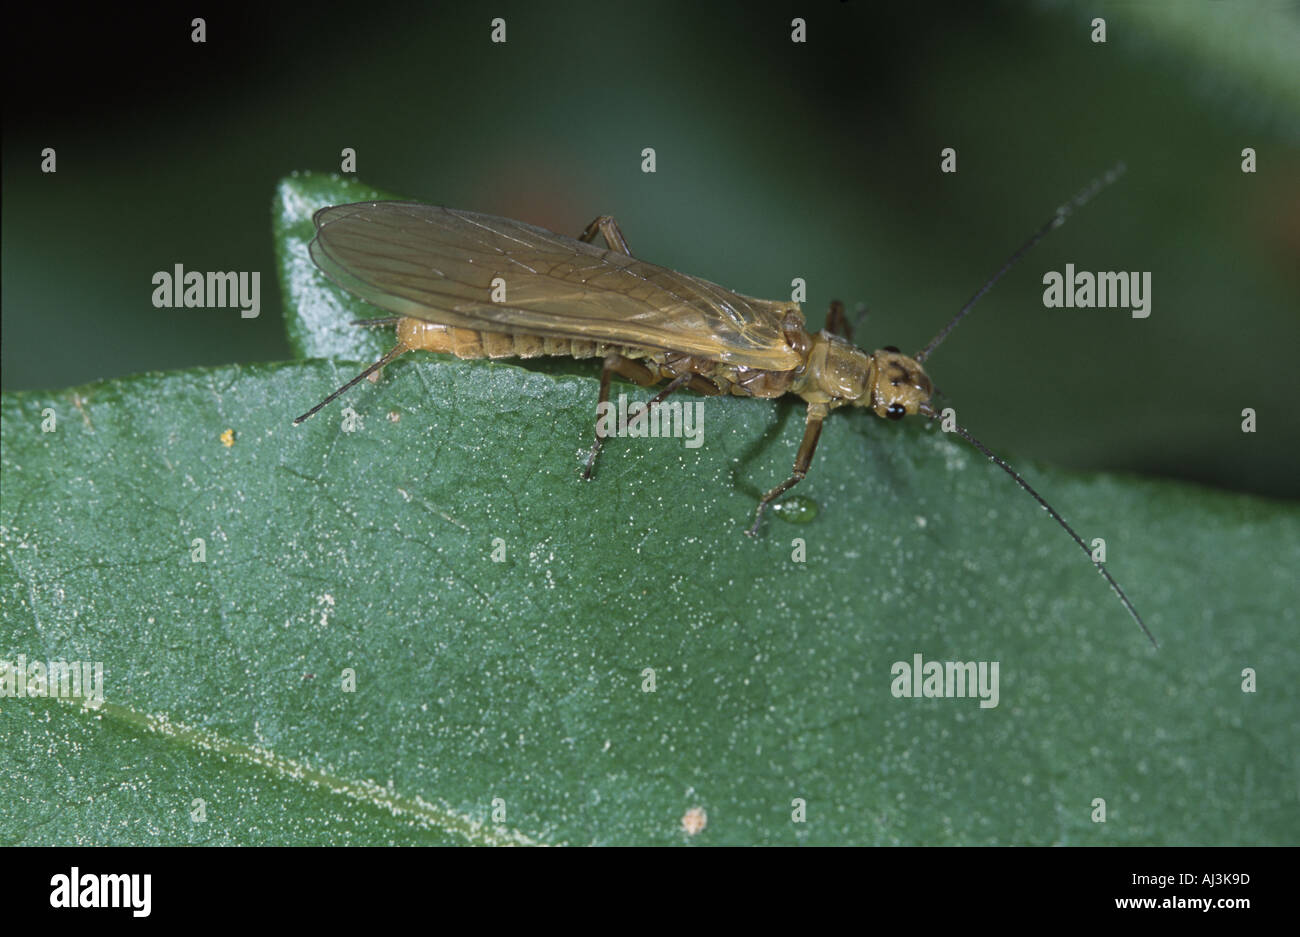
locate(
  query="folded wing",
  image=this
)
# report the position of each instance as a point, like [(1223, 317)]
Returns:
[(439, 264)]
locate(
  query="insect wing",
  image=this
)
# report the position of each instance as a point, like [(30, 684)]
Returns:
[(440, 265)]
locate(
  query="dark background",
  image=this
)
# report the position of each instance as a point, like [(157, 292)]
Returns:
[(775, 160)]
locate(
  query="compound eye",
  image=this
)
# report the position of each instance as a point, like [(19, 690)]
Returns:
[(891, 348), (895, 411)]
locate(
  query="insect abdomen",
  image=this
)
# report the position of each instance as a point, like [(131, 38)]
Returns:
[(420, 335)]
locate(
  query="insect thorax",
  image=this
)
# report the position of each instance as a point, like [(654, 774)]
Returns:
[(837, 372)]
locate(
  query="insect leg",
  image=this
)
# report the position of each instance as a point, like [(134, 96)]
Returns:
[(702, 385), (676, 383), (862, 314), (607, 226), (634, 371), (811, 431), (398, 349), (837, 321)]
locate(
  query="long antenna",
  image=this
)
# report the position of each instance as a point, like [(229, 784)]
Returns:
[(396, 350), (965, 434), (1048, 226)]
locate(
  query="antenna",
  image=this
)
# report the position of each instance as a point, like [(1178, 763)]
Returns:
[(1057, 219), (965, 434), (396, 350)]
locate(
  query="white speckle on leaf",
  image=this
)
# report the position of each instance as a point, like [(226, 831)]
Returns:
[(326, 604)]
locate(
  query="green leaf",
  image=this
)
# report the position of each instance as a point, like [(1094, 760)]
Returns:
[(318, 325), (525, 680)]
